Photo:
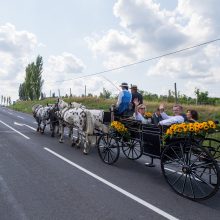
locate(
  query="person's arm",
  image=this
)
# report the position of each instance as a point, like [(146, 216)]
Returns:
[(172, 120), (163, 113), (120, 95), (136, 103)]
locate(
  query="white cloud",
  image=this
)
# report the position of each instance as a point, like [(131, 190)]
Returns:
[(59, 72), (116, 47), (65, 63), (16, 48), (149, 29)]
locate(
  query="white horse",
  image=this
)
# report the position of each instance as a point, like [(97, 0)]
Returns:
[(41, 115), (85, 121), (80, 119)]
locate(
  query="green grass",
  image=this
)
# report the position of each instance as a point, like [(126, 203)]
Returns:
[(206, 112)]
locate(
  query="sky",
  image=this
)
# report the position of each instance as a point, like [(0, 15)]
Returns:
[(80, 38)]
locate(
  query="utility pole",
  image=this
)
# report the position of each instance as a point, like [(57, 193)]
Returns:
[(59, 92), (85, 90), (70, 92), (50, 93), (175, 93)]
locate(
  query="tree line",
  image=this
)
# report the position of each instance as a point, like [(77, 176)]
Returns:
[(31, 89)]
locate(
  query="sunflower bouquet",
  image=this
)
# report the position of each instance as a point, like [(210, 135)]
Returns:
[(182, 130), (120, 130), (148, 115)]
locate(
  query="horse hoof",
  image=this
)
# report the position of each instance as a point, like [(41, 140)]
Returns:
[(85, 153), (60, 141)]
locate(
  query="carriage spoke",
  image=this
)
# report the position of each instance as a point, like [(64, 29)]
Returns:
[(129, 152), (201, 165), (172, 173), (177, 179), (175, 153), (204, 181), (194, 161), (105, 153), (111, 154), (184, 159), (191, 186), (135, 152), (198, 186), (202, 172), (173, 160), (184, 183)]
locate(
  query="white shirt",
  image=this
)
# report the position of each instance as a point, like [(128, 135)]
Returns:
[(138, 116), (168, 120)]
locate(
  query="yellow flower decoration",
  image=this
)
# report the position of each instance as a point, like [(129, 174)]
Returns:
[(120, 128), (189, 129), (148, 115)]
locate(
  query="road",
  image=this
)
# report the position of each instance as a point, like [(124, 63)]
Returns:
[(43, 179)]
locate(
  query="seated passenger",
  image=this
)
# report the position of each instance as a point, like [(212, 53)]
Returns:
[(140, 111), (177, 118), (124, 100), (156, 117), (192, 115)]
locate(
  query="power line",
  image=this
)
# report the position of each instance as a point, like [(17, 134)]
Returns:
[(141, 61)]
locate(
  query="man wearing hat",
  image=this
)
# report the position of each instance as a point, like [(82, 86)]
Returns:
[(124, 99), (135, 95)]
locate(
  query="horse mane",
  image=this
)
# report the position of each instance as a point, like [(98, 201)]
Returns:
[(62, 104)]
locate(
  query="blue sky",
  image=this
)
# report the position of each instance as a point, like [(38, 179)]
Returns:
[(77, 38)]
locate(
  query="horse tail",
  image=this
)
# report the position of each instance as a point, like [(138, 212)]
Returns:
[(89, 123)]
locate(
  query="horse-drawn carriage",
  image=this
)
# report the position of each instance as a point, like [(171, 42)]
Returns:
[(190, 165)]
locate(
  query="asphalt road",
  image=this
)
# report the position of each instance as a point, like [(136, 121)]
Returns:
[(43, 179)]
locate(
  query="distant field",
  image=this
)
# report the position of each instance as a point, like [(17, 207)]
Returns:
[(205, 111)]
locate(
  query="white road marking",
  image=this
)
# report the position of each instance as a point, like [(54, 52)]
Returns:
[(19, 124), (14, 130), (20, 117), (124, 192)]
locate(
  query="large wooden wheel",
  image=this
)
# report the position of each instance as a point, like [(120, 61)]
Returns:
[(213, 147), (190, 170), (108, 148), (132, 149)]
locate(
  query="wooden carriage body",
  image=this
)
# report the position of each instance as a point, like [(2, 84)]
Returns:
[(190, 166)]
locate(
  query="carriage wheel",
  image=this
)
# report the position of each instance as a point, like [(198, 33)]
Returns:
[(132, 149), (108, 148), (190, 170), (213, 147)]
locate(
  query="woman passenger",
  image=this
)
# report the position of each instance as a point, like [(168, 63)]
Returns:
[(192, 115)]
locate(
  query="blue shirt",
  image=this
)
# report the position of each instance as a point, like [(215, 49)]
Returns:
[(124, 99)]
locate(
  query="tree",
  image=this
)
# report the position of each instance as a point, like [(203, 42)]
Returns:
[(32, 86), (22, 92), (37, 77), (202, 97), (105, 94)]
